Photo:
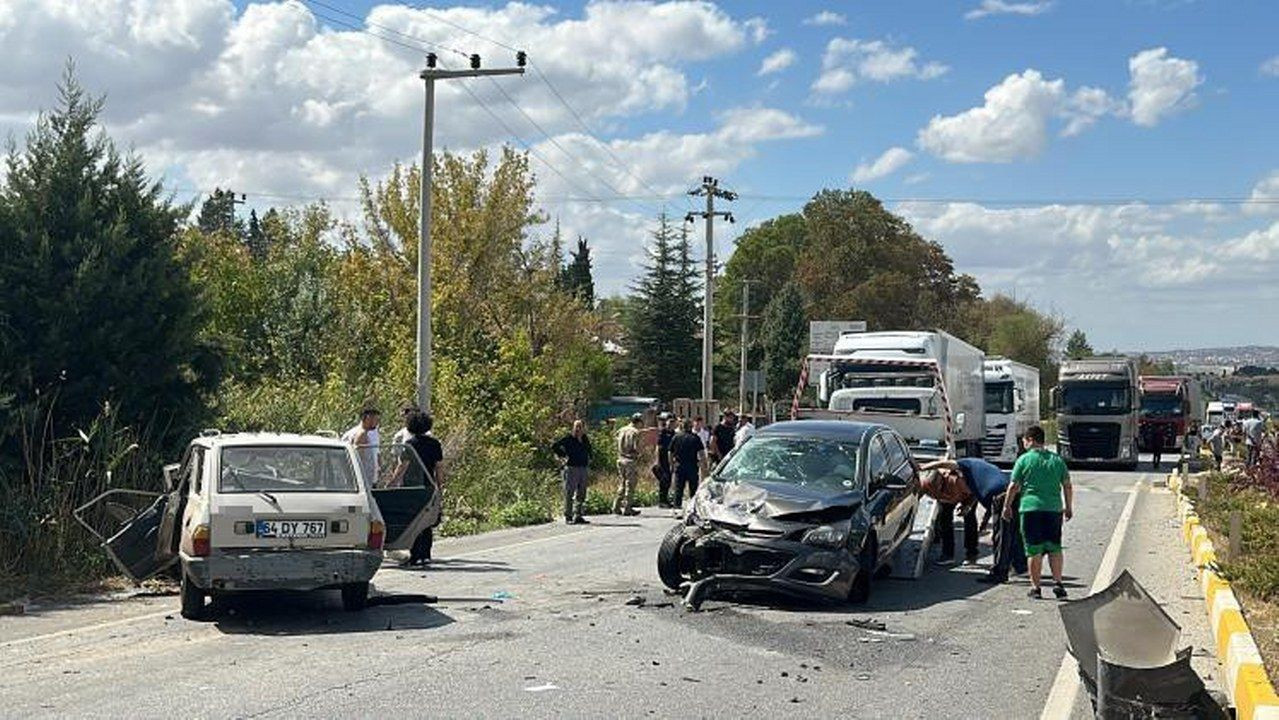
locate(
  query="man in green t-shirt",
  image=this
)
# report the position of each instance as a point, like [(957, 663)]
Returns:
[(1041, 480)]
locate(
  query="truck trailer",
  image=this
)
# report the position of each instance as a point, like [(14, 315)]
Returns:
[(1171, 405), (926, 385), (1097, 411), (1012, 406)]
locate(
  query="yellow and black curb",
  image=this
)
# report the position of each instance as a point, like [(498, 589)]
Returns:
[(1248, 685)]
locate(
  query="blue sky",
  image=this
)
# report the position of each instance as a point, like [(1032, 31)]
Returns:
[(1049, 146)]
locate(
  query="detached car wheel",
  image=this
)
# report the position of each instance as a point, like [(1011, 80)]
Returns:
[(192, 599), (355, 596), (668, 558), (866, 559)]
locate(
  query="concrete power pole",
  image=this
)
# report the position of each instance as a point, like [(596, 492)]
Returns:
[(710, 189), (746, 318), (429, 76)]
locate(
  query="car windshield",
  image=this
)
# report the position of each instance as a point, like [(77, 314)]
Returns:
[(818, 463), (1160, 406), (1095, 399), (286, 468), (999, 398)]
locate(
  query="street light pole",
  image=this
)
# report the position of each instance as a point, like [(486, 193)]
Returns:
[(429, 76)]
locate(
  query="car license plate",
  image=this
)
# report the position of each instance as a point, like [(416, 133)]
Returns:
[(292, 528)]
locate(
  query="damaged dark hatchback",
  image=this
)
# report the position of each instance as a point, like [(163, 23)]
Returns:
[(806, 508)]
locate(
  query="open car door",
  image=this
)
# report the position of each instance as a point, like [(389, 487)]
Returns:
[(139, 543), (407, 495)]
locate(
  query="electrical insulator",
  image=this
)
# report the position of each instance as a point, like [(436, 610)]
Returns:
[(475, 62), (430, 60), (521, 58)]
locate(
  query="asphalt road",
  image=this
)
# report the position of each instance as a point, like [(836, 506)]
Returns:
[(533, 622)]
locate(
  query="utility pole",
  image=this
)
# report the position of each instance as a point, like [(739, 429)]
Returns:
[(746, 317), (710, 189), (429, 76)]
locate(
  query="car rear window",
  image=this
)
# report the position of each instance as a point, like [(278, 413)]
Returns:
[(285, 468)]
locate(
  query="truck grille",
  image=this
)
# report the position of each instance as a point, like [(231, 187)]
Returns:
[(1094, 441), (993, 444)]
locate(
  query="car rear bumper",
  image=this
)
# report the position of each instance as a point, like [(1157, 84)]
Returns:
[(282, 569), (733, 562)]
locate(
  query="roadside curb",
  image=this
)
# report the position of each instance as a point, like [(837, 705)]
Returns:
[(1246, 680)]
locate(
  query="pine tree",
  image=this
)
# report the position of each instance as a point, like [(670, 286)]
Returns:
[(1077, 346), (577, 274), (782, 337), (217, 214), (665, 352), (256, 238), (107, 313)]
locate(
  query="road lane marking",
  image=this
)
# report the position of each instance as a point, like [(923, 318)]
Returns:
[(1061, 698), (86, 628)]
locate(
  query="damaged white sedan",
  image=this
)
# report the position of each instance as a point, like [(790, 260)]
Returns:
[(260, 511), (805, 508)]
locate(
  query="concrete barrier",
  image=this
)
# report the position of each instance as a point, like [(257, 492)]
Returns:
[(1249, 687)]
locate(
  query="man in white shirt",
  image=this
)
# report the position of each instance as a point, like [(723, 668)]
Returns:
[(744, 431), (1253, 429), (402, 435), (364, 436)]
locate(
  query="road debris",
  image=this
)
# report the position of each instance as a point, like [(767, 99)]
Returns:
[(866, 624), (542, 688), (635, 601)]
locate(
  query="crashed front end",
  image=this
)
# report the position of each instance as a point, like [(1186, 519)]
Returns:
[(739, 537)]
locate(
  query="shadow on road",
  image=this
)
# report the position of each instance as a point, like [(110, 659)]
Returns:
[(316, 613), (455, 565)]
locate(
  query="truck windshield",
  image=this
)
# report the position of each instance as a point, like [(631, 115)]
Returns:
[(825, 464), (282, 468), (1161, 406), (999, 398), (1095, 399), (848, 374), (898, 405)]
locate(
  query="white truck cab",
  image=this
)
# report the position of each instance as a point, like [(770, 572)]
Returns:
[(1012, 406)]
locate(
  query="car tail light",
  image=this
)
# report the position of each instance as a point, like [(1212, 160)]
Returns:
[(377, 532), (200, 545)]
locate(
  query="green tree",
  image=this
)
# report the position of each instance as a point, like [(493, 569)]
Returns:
[(782, 335), (1077, 346), (217, 214), (577, 274), (257, 240), (664, 325), (107, 314)]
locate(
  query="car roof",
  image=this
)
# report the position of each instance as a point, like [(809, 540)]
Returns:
[(848, 430), (214, 440)]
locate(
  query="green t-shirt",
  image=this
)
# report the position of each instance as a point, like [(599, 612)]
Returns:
[(1040, 474)]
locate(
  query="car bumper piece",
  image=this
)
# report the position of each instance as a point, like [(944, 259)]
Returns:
[(282, 570)]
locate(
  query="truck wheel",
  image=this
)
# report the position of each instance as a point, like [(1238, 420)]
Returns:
[(668, 558), (192, 599), (859, 593), (355, 596)]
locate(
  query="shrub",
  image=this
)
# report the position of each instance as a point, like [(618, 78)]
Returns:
[(524, 512)]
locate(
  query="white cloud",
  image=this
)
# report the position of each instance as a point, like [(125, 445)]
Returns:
[(1264, 199), (1270, 67), (1113, 269), (777, 62), (1086, 106), (892, 160), (758, 28), (1002, 7), (826, 17), (848, 61), (1160, 85), (1012, 124)]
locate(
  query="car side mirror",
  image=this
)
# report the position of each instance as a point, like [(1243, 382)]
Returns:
[(888, 481), (170, 476)]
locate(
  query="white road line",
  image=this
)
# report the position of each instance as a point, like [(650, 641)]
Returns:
[(86, 628), (1061, 698)]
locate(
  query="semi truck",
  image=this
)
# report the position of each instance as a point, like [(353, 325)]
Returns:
[(1097, 411), (926, 385), (1012, 406), (1171, 405)]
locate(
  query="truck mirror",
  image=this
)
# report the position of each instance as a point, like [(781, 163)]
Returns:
[(959, 421), (823, 388), (1054, 397)]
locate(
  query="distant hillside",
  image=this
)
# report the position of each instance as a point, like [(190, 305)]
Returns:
[(1262, 355)]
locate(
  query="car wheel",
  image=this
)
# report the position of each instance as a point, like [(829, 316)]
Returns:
[(192, 598), (866, 561), (668, 558), (355, 596)]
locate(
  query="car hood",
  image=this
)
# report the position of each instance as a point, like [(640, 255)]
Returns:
[(765, 505)]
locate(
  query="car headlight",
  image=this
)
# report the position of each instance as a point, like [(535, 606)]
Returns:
[(828, 535)]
